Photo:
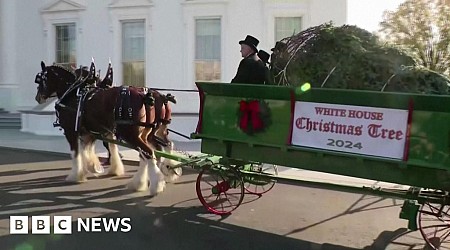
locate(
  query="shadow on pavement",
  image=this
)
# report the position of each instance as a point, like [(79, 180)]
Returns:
[(16, 156), (165, 228), (180, 225)]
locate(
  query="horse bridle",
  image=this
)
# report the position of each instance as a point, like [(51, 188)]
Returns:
[(41, 80)]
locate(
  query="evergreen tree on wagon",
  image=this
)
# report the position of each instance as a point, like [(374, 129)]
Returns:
[(351, 58)]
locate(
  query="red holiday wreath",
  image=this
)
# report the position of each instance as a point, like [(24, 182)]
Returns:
[(254, 116)]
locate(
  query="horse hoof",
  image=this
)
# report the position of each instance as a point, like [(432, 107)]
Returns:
[(137, 187), (115, 172), (173, 175), (98, 169), (171, 178), (158, 189)]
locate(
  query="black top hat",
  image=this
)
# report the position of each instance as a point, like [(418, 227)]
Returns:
[(250, 41), (264, 56), (279, 46)]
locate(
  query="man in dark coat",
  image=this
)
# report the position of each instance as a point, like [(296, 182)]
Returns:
[(264, 56), (251, 69)]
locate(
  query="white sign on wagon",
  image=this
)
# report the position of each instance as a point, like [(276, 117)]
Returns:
[(355, 129)]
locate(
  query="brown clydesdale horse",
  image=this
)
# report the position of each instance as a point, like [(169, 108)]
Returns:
[(163, 112), (158, 135), (86, 112)]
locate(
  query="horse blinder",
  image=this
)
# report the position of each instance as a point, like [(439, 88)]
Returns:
[(41, 80), (38, 78)]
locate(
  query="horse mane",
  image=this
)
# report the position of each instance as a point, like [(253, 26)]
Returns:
[(83, 71), (65, 70)]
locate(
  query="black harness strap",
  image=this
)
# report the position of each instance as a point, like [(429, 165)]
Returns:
[(124, 104), (124, 113)]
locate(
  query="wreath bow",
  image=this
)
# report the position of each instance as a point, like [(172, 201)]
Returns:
[(250, 111)]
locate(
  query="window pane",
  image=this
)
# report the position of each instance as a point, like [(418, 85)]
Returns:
[(133, 41), (133, 73), (133, 52), (207, 70), (207, 49), (207, 39), (66, 45), (287, 26)]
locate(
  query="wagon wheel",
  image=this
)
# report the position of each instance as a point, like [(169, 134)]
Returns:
[(434, 225), (259, 181), (220, 189)]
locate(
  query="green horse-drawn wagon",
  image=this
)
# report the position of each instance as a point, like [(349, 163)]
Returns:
[(391, 137)]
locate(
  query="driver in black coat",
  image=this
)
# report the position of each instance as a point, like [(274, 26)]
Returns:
[(251, 69)]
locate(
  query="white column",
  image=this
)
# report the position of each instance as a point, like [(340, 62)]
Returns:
[(8, 84)]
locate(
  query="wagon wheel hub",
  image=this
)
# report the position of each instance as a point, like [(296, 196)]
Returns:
[(221, 187)]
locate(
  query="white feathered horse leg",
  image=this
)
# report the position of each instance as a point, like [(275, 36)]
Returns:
[(117, 168), (157, 182), (139, 182), (171, 174), (98, 168), (77, 173), (89, 157)]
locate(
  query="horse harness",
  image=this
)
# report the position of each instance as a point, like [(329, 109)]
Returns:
[(123, 111), (82, 91)]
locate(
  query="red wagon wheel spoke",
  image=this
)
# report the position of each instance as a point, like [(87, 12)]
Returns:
[(438, 238), (437, 231), (219, 189), (435, 209), (446, 234), (261, 184), (212, 184), (434, 225)]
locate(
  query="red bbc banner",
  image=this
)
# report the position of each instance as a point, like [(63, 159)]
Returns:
[(354, 129)]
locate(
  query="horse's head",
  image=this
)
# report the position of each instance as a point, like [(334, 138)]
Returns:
[(52, 80)]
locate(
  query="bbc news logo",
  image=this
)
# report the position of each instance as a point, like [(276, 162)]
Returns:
[(63, 225)]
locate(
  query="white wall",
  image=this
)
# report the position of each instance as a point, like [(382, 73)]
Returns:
[(8, 63), (169, 53), (96, 36), (28, 36), (170, 34), (328, 10), (28, 52)]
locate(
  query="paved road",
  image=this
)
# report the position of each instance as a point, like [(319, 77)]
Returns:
[(288, 217)]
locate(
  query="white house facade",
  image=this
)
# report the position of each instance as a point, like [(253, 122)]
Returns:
[(167, 44)]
